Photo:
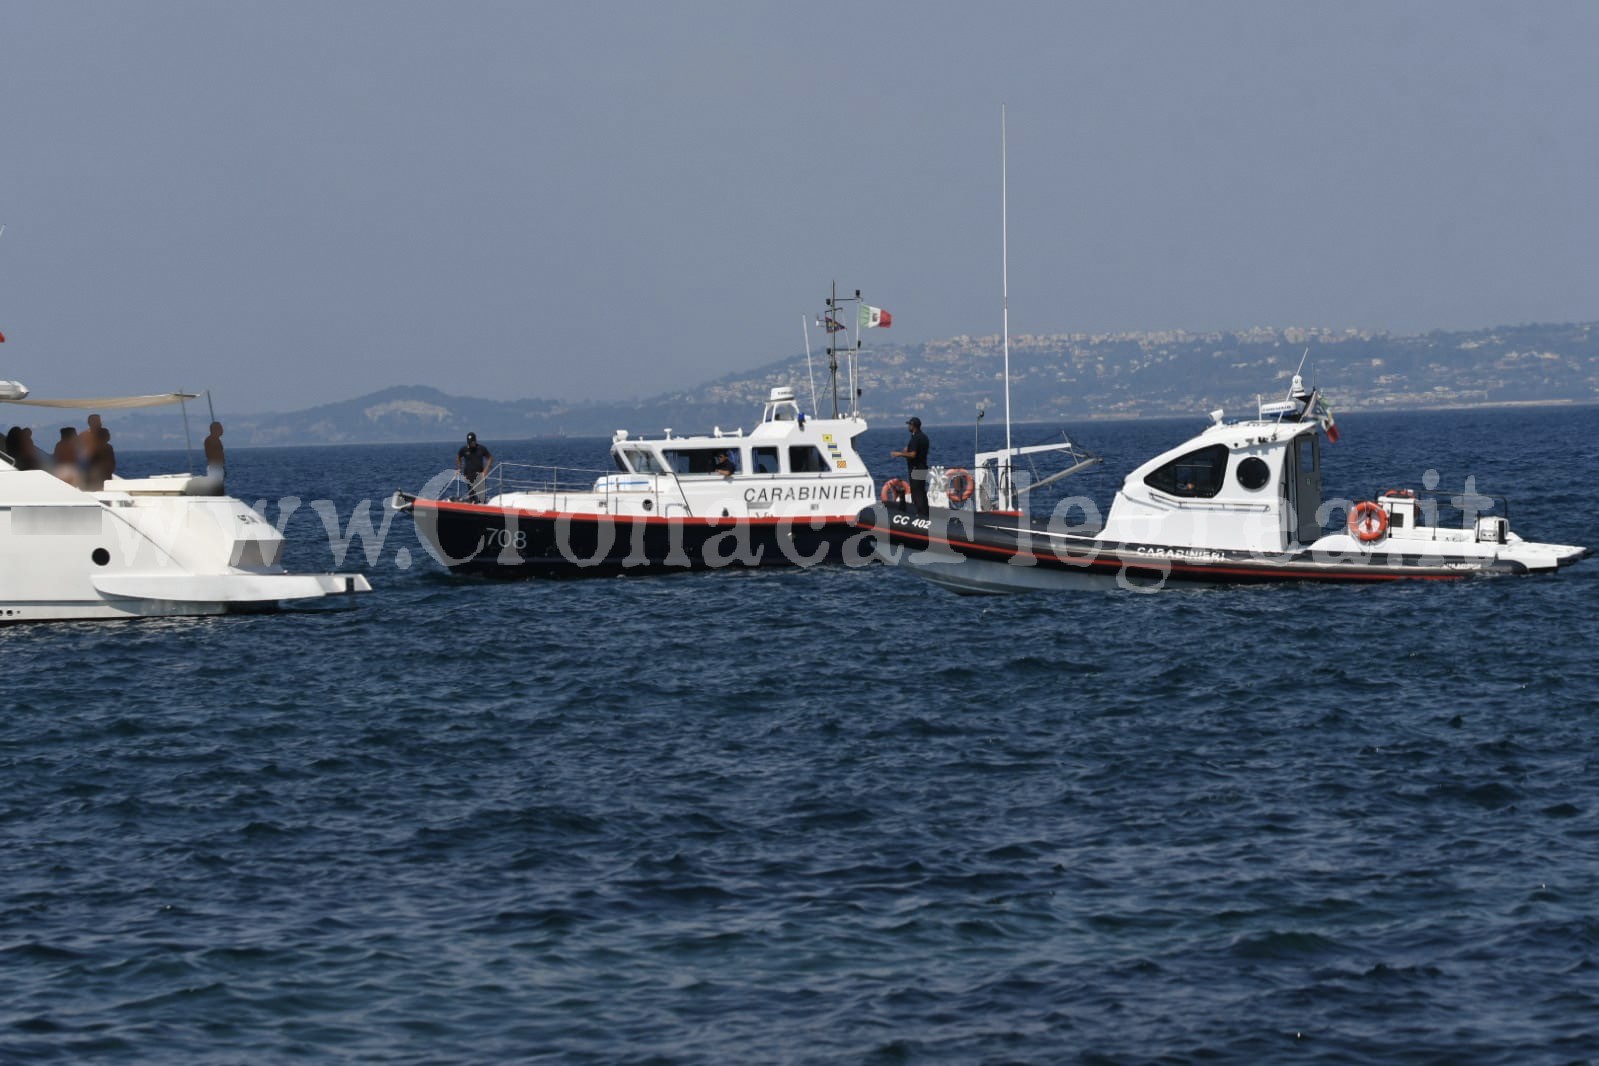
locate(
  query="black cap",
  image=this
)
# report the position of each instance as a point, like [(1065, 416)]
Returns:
[(914, 421), (471, 436)]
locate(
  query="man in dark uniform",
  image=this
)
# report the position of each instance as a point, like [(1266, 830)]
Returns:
[(472, 462), (915, 455)]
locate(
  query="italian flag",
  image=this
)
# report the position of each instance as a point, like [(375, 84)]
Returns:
[(872, 317), (1324, 415)]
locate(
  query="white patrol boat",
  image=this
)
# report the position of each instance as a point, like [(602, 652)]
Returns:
[(786, 493), (159, 546), (1240, 502)]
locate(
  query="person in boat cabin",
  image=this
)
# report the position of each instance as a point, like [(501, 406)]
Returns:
[(723, 465), (472, 462), (915, 455)]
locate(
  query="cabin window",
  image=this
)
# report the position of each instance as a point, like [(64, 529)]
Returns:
[(806, 459), (641, 461), (1198, 474), (765, 460), (1253, 473), (1308, 449), (697, 460)]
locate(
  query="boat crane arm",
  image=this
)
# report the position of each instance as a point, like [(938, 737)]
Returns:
[(1092, 460), (1033, 449)]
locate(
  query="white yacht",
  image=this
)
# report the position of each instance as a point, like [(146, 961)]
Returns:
[(145, 547)]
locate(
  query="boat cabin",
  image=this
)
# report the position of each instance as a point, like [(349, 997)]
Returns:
[(784, 442), (789, 464), (1252, 485)]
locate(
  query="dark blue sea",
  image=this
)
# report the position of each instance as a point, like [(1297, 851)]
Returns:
[(834, 815)]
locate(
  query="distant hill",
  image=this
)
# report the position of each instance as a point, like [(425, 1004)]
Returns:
[(1078, 375)]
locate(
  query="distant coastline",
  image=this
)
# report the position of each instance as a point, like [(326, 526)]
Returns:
[(1061, 377)]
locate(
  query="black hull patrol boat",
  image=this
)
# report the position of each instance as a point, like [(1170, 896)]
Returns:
[(510, 540), (784, 494), (1391, 538), (1238, 503)]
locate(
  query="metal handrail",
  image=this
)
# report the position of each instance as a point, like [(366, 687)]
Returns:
[(557, 480)]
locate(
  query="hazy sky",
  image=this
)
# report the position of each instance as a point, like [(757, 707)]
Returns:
[(292, 202)]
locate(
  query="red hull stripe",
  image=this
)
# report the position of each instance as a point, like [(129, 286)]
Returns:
[(1152, 563), (450, 506)]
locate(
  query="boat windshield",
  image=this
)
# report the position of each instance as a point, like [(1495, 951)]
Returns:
[(1198, 473), (642, 461)]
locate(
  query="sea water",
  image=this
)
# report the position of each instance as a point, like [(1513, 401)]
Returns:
[(825, 815)]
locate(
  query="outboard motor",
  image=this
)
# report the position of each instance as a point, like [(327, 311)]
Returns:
[(1493, 530)]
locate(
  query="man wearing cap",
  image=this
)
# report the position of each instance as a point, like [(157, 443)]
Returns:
[(472, 462), (915, 455)]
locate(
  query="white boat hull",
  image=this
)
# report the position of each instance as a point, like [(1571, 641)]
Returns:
[(140, 549), (998, 554)]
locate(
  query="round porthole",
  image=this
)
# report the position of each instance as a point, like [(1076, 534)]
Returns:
[(1253, 473), (101, 557), (648, 505)]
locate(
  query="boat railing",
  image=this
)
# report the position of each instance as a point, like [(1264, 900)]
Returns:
[(1433, 506), (660, 493)]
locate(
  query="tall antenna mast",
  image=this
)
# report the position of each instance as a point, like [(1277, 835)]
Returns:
[(835, 305), (809, 369), (832, 349), (1004, 270)]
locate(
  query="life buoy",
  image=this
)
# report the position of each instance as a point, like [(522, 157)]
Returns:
[(895, 490), (1368, 521), (1400, 494), (958, 485)]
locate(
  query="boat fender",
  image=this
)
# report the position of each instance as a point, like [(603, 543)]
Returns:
[(895, 490), (1368, 521), (959, 485)]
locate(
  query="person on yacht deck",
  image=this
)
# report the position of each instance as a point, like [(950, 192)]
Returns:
[(64, 459), (25, 454), (103, 462), (213, 453), (89, 459)]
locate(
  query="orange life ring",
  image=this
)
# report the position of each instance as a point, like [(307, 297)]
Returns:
[(895, 490), (1402, 494), (1368, 521), (958, 485)]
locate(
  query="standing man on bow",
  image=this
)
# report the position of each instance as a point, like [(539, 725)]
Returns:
[(472, 462), (915, 455)]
